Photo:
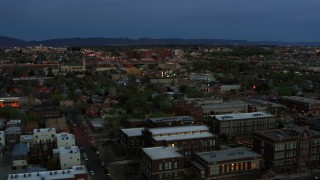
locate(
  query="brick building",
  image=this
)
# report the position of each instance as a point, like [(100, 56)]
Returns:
[(288, 148), (162, 163), (131, 137), (189, 139), (301, 105), (241, 124), (225, 164)]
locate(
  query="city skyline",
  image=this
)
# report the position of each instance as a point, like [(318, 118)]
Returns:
[(290, 21)]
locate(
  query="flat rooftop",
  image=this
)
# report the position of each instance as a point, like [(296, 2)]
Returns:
[(178, 129), (44, 130), (229, 154), (64, 136), (267, 103), (278, 134), (185, 136), (240, 116), (133, 131), (302, 99), (50, 175), (162, 152), (224, 105), (171, 119), (69, 149)]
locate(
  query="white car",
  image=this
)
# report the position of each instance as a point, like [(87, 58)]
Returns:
[(91, 173)]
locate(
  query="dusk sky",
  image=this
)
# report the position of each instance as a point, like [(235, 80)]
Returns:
[(276, 20)]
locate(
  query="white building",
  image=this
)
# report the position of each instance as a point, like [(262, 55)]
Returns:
[(45, 135), (68, 156), (2, 139), (76, 172), (65, 140)]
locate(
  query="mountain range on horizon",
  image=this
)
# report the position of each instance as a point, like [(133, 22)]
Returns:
[(8, 42)]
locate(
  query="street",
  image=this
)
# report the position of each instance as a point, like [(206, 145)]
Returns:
[(84, 142)]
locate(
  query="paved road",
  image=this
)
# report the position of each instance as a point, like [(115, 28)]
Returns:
[(83, 140)]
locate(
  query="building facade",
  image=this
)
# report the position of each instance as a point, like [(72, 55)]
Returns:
[(242, 124), (301, 105), (225, 164), (162, 163), (68, 156), (295, 148), (189, 139)]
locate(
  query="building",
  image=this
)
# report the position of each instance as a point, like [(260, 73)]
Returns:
[(134, 123), (74, 67), (225, 164), (44, 138), (68, 156), (274, 108), (189, 139), (75, 173), (131, 137), (162, 163), (242, 124), (20, 155), (171, 121), (301, 105), (231, 107), (288, 148), (65, 140)]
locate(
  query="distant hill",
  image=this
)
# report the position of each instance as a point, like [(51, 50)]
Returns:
[(6, 42)]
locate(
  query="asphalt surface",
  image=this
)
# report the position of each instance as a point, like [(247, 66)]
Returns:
[(84, 142)]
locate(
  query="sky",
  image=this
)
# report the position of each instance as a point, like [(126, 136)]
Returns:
[(254, 20)]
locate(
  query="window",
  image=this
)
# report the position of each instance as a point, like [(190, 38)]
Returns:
[(160, 167), (175, 164), (166, 165), (175, 173), (169, 165), (160, 176)]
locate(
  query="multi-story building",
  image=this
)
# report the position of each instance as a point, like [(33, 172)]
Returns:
[(131, 137), (242, 124), (274, 108), (189, 139), (288, 148), (232, 107), (225, 164), (171, 121), (45, 137), (162, 163), (65, 139), (74, 173), (301, 105), (68, 156)]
